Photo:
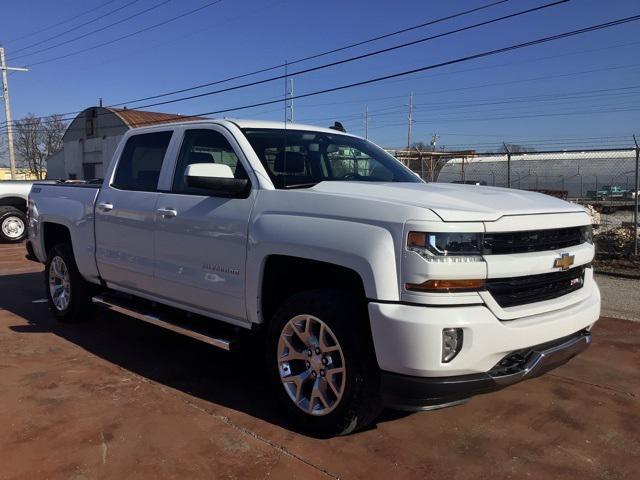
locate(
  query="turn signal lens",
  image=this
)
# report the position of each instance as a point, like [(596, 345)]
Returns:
[(445, 286), (417, 239)]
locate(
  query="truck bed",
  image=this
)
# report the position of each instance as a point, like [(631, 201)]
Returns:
[(71, 205)]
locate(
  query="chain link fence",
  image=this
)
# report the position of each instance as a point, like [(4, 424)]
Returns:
[(603, 181)]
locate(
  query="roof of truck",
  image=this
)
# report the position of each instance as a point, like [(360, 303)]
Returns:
[(245, 123), (270, 124)]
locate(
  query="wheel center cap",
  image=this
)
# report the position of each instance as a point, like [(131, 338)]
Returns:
[(316, 362)]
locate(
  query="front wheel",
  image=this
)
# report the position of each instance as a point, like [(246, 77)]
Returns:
[(13, 224), (321, 362)]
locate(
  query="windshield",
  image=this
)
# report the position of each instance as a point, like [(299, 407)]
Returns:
[(298, 158)]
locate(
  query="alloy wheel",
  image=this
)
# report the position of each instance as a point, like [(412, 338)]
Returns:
[(59, 283), (311, 365)]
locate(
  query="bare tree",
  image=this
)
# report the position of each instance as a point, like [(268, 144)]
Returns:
[(35, 139)]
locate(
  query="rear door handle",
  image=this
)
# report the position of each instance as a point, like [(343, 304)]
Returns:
[(167, 212), (105, 207)]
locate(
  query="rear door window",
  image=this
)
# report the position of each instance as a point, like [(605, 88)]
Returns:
[(141, 161)]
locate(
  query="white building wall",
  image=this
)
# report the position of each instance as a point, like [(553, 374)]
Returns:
[(56, 166)]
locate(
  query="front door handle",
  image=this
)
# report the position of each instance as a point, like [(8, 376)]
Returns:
[(105, 207), (167, 212)]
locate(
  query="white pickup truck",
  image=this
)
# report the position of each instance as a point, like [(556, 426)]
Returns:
[(366, 286)]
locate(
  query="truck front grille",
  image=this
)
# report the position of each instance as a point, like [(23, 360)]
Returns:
[(532, 241), (509, 292)]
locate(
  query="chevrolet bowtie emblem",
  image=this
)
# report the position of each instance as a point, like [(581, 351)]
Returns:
[(564, 262)]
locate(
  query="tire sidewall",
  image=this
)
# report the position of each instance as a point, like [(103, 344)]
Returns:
[(344, 317), (12, 212)]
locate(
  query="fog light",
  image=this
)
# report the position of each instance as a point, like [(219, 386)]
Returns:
[(451, 343)]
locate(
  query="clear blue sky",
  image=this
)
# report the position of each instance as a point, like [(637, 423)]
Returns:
[(468, 105)]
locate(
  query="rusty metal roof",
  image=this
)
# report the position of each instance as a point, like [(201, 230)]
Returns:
[(141, 118)]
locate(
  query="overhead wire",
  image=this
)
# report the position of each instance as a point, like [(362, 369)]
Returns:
[(328, 65), (55, 25), (72, 29), (91, 32), (488, 53), (128, 35)]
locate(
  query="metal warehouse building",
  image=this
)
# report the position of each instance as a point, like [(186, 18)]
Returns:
[(92, 137), (577, 173)]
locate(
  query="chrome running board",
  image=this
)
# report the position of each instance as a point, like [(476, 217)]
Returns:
[(128, 308)]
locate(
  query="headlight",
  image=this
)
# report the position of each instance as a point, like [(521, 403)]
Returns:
[(446, 247)]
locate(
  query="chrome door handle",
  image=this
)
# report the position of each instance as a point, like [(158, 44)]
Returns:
[(105, 207), (167, 212)]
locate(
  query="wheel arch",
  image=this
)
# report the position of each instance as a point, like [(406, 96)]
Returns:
[(360, 256), (14, 201), (285, 275), (53, 234)]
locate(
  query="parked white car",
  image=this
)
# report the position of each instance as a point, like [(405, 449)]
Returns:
[(13, 209), (365, 286)]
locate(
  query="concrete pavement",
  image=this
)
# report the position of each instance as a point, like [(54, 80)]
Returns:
[(116, 398)]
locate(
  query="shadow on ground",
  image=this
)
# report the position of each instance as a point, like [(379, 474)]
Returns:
[(232, 380)]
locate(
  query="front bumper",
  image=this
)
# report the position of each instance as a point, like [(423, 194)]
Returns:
[(417, 393), (408, 338)]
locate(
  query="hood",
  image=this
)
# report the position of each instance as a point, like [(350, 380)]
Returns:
[(454, 202)]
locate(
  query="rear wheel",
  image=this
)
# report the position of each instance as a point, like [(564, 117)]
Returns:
[(68, 294), (13, 224), (322, 364)]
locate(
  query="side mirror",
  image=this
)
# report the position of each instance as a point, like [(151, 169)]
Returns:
[(217, 178)]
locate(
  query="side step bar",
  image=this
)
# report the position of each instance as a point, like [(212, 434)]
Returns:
[(128, 308)]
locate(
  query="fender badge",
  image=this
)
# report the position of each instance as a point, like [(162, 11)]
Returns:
[(564, 262)]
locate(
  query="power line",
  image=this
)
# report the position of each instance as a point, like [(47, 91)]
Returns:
[(556, 97), (308, 70), (129, 35), (316, 55), (50, 27), (467, 58), (347, 60), (57, 35), (533, 115), (92, 32), (355, 58)]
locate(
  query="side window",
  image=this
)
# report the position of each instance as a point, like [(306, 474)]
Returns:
[(141, 161), (204, 146)]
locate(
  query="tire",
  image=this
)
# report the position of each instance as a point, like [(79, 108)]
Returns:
[(354, 401), (75, 305), (13, 225)]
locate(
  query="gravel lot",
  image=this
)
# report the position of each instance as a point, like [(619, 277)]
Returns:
[(116, 398), (620, 297)]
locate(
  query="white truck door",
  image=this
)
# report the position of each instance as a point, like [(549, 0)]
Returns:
[(201, 235), (125, 214)]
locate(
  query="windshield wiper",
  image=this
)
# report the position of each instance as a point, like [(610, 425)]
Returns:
[(301, 185)]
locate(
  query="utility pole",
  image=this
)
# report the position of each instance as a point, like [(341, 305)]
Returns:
[(506, 149), (366, 122), (7, 109), (434, 141), (291, 100), (635, 202), (410, 121)]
